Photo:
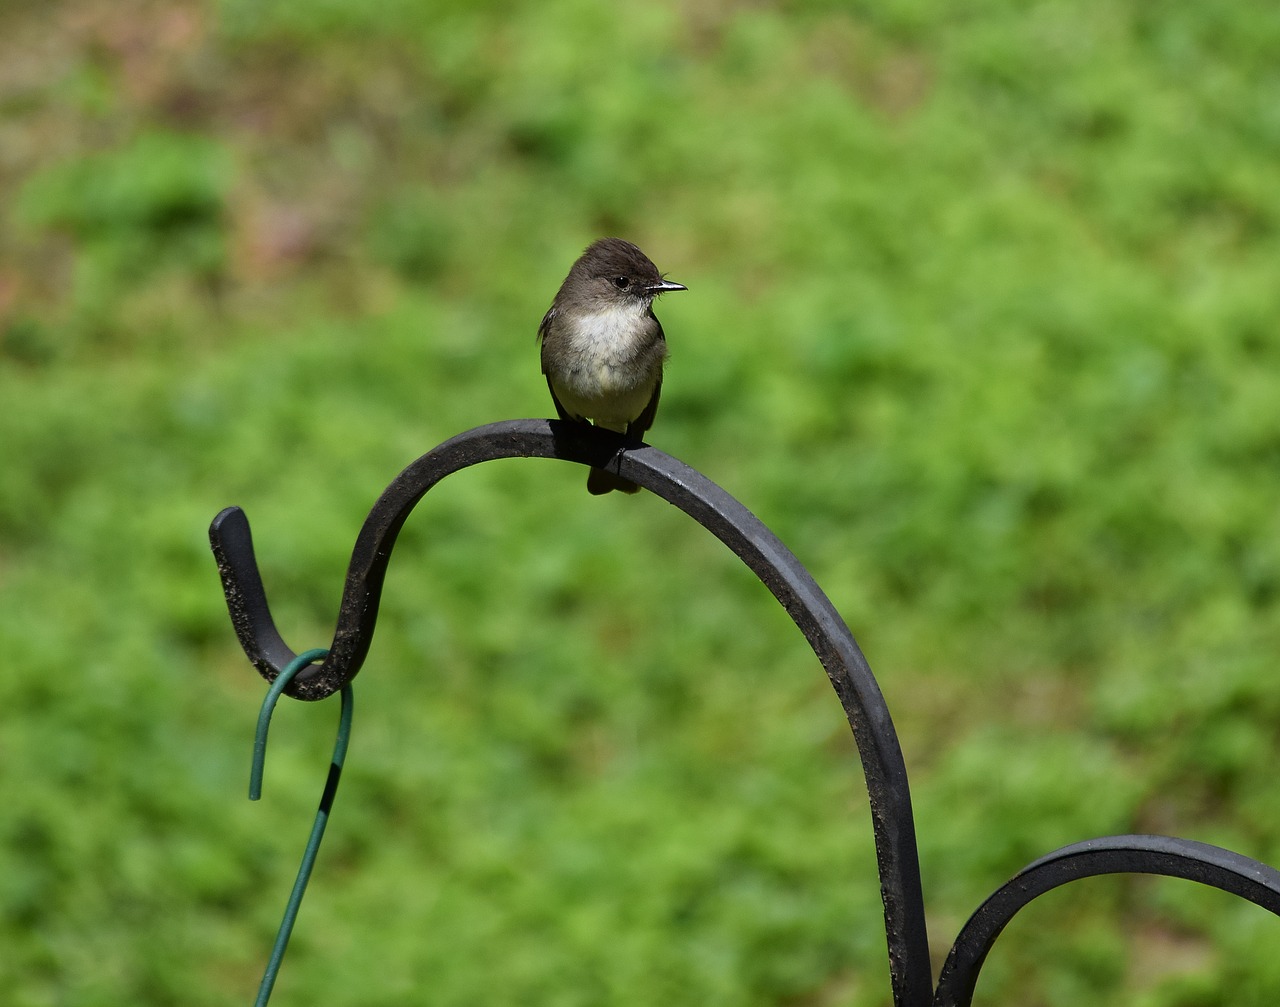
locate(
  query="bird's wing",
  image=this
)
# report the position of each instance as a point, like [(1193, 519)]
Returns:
[(560, 411), (544, 328), (637, 427)]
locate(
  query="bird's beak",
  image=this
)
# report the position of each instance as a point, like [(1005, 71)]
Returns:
[(662, 286)]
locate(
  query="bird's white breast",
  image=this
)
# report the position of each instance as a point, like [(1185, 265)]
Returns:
[(610, 378), (607, 341)]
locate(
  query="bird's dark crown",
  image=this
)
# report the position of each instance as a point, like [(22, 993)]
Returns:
[(610, 258)]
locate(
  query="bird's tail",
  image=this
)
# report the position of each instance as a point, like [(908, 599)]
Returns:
[(600, 482)]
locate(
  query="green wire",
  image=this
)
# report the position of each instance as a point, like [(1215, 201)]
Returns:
[(322, 813)]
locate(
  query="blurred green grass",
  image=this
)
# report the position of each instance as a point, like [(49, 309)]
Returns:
[(982, 320)]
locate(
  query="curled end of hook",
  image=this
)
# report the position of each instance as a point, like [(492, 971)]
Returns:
[(232, 544)]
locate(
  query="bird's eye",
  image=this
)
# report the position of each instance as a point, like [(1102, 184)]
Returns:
[(621, 282)]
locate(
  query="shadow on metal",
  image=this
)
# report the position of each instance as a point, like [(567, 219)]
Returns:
[(784, 575)]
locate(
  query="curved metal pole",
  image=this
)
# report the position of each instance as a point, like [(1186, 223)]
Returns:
[(709, 505), (1174, 858)]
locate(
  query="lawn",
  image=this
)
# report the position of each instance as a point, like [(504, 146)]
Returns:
[(982, 321)]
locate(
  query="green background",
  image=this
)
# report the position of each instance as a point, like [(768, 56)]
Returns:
[(981, 320)]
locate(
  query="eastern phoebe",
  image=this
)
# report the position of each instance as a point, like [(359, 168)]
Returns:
[(602, 347)]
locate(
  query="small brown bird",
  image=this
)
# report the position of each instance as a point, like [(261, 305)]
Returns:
[(603, 348)]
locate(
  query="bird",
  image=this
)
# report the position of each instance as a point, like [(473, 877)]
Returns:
[(603, 348)]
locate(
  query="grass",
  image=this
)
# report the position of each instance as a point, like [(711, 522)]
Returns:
[(981, 321)]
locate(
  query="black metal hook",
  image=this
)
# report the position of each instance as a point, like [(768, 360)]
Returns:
[(706, 503), (232, 542), (1164, 855), (793, 586)]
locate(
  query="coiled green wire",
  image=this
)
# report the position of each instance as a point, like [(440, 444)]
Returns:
[(322, 813)]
